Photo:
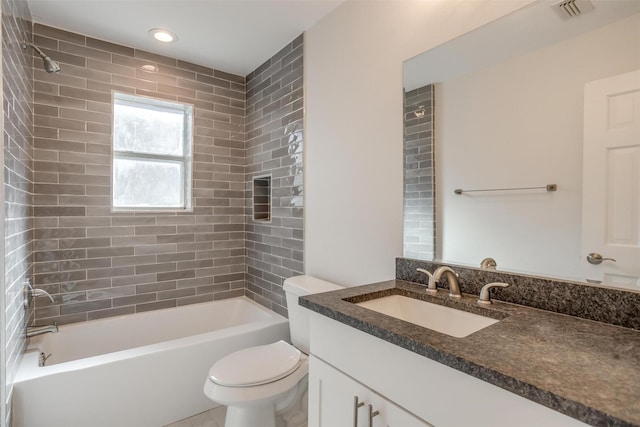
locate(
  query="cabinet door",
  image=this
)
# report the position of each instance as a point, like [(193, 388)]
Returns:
[(332, 402), (391, 415), (332, 397)]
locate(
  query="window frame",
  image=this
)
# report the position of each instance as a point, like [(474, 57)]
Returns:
[(186, 160)]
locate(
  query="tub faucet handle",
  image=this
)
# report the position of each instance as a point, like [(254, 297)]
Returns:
[(29, 293), (41, 292)]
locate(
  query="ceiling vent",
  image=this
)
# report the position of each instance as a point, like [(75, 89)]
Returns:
[(568, 9)]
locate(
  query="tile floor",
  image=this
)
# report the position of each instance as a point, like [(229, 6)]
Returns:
[(212, 418)]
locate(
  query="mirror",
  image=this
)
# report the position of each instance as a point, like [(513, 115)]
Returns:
[(503, 106)]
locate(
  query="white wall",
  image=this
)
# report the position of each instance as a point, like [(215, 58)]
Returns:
[(520, 124), (353, 130)]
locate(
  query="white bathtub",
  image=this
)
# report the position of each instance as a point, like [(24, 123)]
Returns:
[(139, 370)]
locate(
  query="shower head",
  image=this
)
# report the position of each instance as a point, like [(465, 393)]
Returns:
[(50, 66)]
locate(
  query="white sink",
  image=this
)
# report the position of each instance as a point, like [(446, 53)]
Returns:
[(446, 320)]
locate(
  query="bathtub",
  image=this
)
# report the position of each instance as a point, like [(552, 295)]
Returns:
[(146, 369)]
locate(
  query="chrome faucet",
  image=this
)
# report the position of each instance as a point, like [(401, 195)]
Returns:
[(32, 331), (452, 278)]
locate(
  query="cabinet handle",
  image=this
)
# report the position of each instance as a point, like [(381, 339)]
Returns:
[(356, 406), (372, 414)]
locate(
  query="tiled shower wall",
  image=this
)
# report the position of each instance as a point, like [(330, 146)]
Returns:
[(98, 263), (17, 100), (419, 185), (274, 126)]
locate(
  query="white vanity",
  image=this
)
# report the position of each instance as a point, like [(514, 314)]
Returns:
[(530, 368), (406, 389)]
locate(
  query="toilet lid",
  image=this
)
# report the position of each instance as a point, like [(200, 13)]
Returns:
[(256, 365)]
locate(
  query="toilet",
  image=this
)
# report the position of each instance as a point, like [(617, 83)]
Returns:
[(262, 382)]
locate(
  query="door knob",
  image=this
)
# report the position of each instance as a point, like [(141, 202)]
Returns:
[(596, 258)]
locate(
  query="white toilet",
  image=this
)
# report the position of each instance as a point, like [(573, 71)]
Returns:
[(257, 382)]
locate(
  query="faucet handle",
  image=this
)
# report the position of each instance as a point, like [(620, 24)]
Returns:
[(484, 292), (36, 292), (431, 287), (29, 293)]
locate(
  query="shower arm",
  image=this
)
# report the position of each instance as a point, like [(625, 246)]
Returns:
[(50, 66), (34, 47)]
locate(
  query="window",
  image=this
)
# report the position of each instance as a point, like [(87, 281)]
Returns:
[(151, 153)]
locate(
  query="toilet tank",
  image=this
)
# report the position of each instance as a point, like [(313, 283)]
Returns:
[(295, 287)]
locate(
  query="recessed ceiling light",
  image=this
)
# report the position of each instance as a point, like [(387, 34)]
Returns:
[(163, 35)]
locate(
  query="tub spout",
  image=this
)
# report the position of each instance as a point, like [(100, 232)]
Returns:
[(32, 331)]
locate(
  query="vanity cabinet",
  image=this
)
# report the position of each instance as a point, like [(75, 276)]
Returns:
[(339, 400), (406, 388)]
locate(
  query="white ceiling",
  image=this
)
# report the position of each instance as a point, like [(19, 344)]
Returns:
[(235, 36), (532, 27)]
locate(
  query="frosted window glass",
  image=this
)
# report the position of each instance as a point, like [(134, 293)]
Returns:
[(152, 141), (145, 183), (145, 130)]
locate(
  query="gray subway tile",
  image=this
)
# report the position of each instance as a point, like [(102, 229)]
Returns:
[(83, 51), (155, 287), (175, 275), (188, 257), (110, 312), (110, 272), (134, 299), (84, 307), (133, 260), (133, 280), (177, 293), (155, 268), (194, 299), (57, 34), (140, 308), (108, 293), (109, 47)]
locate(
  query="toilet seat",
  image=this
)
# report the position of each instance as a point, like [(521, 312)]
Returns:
[(252, 395), (255, 366)]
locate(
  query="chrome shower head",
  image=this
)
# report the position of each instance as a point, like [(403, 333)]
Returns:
[(49, 65)]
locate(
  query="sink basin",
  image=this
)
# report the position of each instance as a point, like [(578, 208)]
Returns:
[(446, 320)]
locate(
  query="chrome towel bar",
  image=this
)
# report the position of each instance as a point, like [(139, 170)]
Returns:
[(548, 187)]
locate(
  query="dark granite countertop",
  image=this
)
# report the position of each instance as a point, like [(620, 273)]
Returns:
[(582, 368)]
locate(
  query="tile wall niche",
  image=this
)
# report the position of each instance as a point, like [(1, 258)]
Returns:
[(17, 100), (419, 185), (98, 263), (274, 125)]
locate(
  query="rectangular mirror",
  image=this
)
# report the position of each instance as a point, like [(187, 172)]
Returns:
[(502, 109)]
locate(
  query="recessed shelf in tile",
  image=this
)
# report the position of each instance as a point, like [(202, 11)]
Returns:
[(262, 198)]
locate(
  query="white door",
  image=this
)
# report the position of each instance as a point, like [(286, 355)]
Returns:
[(611, 180)]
